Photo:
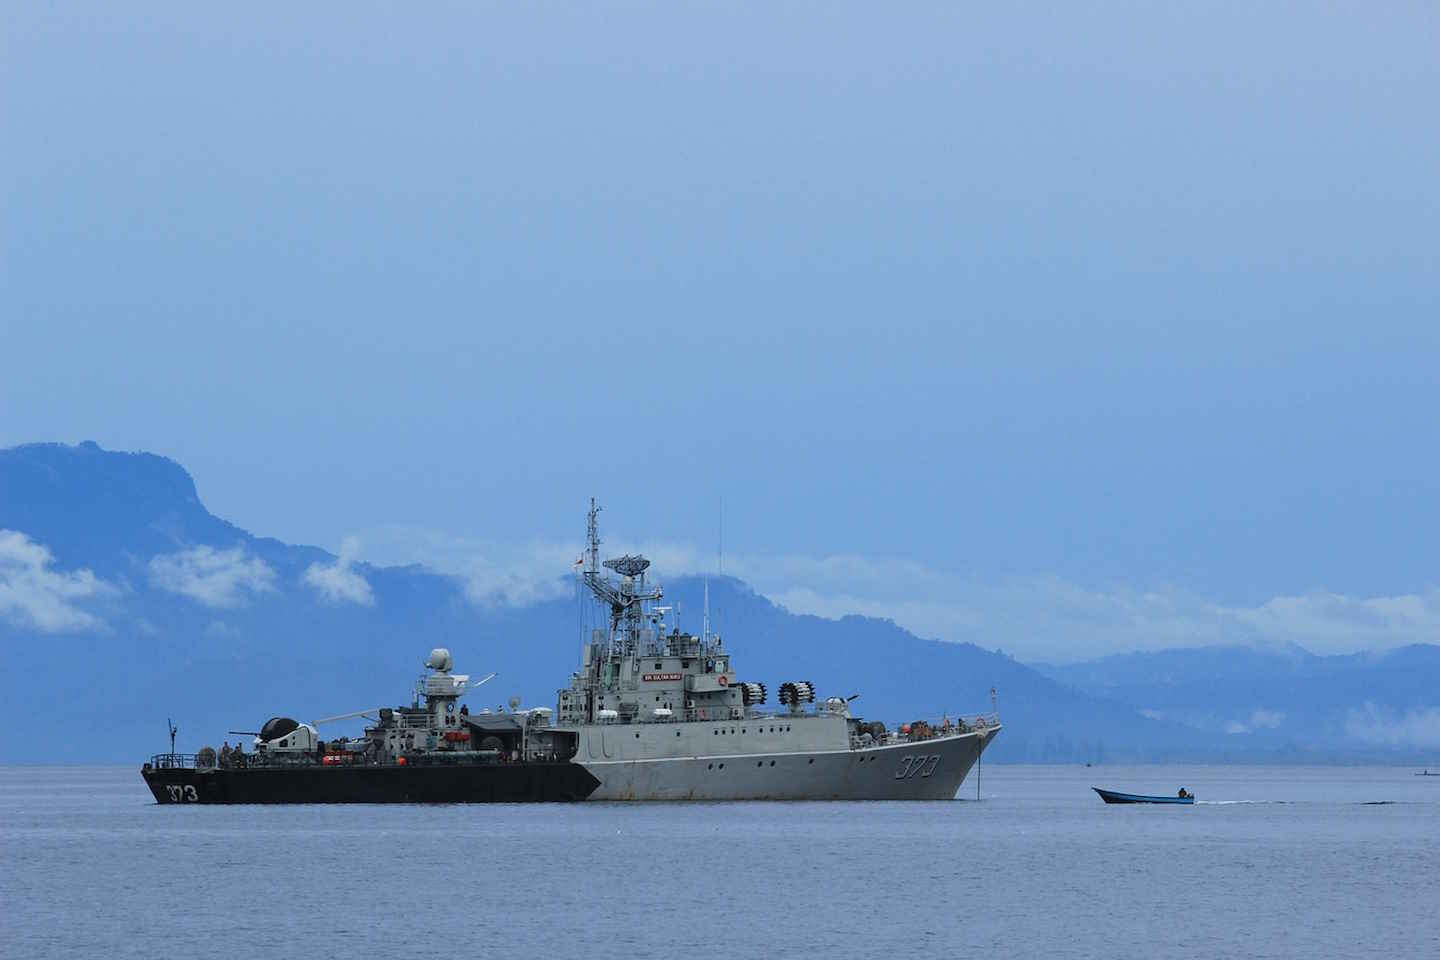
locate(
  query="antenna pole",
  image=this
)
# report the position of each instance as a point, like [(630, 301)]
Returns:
[(720, 547), (579, 612), (980, 744), (592, 532)]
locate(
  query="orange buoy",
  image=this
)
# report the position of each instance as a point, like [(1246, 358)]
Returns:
[(400, 761)]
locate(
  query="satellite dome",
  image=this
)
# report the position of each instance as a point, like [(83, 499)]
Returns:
[(440, 659)]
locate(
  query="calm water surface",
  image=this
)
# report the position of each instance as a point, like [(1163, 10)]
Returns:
[(1273, 862)]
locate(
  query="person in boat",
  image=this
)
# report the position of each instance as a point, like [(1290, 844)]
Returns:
[(237, 756), (1184, 795), (225, 754)]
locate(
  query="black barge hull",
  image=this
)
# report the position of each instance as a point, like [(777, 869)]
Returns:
[(471, 783)]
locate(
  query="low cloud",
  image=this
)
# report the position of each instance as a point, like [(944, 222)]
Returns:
[(1035, 618), (34, 595), (215, 578), (1262, 719), (1045, 618), (511, 575), (1382, 727), (338, 582), (1259, 719)]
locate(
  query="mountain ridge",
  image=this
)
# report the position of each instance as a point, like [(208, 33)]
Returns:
[(191, 616)]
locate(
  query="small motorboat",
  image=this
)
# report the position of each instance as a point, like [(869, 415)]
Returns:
[(1111, 796)]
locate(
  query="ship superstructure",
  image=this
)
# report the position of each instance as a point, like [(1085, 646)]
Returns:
[(661, 714)]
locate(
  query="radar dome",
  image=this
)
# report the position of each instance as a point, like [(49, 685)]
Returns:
[(277, 727), (440, 659)]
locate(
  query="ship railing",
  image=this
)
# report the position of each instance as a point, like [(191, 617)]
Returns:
[(961, 722), (948, 726), (173, 761), (713, 713)]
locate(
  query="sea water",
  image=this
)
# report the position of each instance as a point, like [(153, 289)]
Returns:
[(1271, 862)]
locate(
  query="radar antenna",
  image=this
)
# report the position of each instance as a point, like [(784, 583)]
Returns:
[(630, 565)]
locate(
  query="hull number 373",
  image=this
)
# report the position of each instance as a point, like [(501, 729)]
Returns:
[(921, 766)]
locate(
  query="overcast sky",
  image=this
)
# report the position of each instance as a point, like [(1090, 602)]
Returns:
[(1064, 329)]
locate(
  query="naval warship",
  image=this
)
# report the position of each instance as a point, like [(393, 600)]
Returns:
[(432, 751), (653, 713)]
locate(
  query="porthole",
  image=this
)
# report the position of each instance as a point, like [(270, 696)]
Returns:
[(722, 766), (677, 733), (637, 736), (772, 763), (709, 766), (759, 763), (812, 759)]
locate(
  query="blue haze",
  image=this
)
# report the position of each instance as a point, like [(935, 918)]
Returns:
[(1141, 298)]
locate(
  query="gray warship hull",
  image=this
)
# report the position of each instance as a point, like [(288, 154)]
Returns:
[(655, 713), (930, 769)]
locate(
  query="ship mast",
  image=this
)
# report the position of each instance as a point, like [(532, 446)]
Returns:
[(627, 598), (592, 535)]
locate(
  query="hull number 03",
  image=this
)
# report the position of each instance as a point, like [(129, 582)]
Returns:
[(918, 766), (182, 793)]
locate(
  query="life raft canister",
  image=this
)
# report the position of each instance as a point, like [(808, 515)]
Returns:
[(723, 680)]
